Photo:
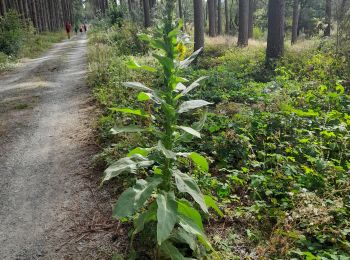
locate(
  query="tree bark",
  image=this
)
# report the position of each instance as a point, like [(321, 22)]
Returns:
[(295, 23), (252, 6), (327, 31), (211, 14), (219, 18), (275, 38), (2, 7), (198, 24), (146, 13), (227, 18), (243, 23)]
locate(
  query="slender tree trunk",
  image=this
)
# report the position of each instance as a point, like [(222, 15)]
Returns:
[(227, 18), (2, 7), (146, 13), (327, 31), (211, 14), (252, 6), (198, 24), (219, 18), (295, 23), (275, 38), (243, 23), (181, 15)]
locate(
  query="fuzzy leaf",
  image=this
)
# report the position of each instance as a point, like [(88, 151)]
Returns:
[(190, 131), (137, 85), (211, 203), (167, 153), (166, 216), (186, 183), (191, 227), (135, 197), (200, 161), (142, 96), (185, 209), (127, 129), (140, 151), (145, 217), (192, 104), (170, 250), (137, 112), (124, 165), (133, 65), (192, 86), (189, 60)]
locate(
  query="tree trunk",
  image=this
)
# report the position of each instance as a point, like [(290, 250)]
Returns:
[(275, 38), (219, 18), (327, 31), (243, 23), (146, 13), (252, 6), (198, 24), (2, 7), (227, 18), (295, 23), (181, 14), (211, 14)]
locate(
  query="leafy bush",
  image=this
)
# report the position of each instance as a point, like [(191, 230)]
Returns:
[(11, 33)]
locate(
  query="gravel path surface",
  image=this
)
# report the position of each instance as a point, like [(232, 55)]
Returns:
[(46, 198)]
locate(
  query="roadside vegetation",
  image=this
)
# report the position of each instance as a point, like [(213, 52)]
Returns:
[(19, 39), (276, 142)]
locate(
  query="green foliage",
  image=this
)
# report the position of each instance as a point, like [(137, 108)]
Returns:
[(11, 33), (273, 149), (165, 188)]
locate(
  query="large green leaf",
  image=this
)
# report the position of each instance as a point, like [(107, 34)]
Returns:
[(135, 197), (142, 96), (165, 61), (128, 129), (190, 131), (140, 151), (185, 63), (191, 227), (166, 215), (170, 250), (186, 183), (200, 161), (185, 237), (212, 204), (192, 86), (137, 85), (133, 65), (137, 112), (126, 165), (167, 153), (192, 104), (185, 209), (149, 215)]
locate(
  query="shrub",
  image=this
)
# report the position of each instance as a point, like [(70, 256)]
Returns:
[(11, 33)]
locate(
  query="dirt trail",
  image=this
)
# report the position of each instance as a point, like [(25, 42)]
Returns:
[(46, 198)]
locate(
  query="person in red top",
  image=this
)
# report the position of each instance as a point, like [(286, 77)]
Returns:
[(68, 29)]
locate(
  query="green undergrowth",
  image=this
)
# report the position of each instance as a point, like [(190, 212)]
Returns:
[(278, 141), (19, 39)]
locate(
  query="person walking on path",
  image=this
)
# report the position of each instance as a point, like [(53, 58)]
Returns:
[(85, 28), (68, 29)]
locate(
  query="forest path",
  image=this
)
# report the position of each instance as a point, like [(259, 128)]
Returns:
[(45, 154)]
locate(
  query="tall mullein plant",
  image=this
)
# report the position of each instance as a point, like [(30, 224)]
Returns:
[(166, 196)]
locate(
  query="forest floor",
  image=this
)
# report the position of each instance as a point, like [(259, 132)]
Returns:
[(50, 206)]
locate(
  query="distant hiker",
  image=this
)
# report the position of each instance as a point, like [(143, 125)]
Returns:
[(76, 29), (85, 28), (81, 29), (68, 29)]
